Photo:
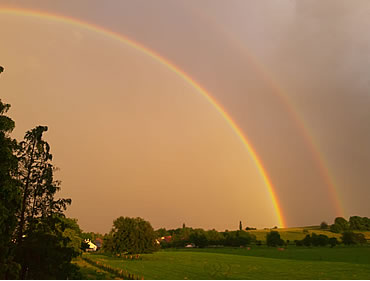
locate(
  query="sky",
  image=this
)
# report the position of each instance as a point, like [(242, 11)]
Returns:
[(134, 138)]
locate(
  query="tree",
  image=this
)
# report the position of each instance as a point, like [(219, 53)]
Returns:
[(130, 236), (240, 225), (335, 228), (319, 240), (38, 186), (348, 238), (214, 237), (333, 242), (273, 239), (324, 225), (46, 253), (1, 69), (40, 212), (9, 195), (161, 232), (307, 241), (198, 237), (342, 223)]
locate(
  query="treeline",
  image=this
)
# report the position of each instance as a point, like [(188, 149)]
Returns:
[(184, 236), (354, 223), (36, 240)]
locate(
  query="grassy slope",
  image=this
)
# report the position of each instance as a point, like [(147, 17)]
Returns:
[(205, 265), (296, 233)]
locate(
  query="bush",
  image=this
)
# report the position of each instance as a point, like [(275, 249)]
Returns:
[(348, 238), (319, 240), (273, 239), (335, 228), (307, 241), (324, 225), (333, 242)]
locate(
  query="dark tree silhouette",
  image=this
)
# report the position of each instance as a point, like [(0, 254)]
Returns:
[(9, 195)]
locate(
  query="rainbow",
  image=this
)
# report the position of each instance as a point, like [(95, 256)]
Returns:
[(303, 127), (299, 121), (173, 68)]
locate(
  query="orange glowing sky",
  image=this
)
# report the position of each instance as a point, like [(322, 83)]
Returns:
[(134, 138)]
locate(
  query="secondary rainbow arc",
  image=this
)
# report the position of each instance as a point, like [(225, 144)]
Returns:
[(296, 117), (175, 69)]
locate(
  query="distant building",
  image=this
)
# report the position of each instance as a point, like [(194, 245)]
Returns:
[(92, 246), (99, 243)]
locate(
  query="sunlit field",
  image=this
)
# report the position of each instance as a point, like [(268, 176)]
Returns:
[(241, 263)]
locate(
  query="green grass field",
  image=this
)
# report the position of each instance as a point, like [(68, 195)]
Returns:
[(240, 263)]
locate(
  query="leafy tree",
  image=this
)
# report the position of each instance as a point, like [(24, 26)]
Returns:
[(273, 239), (38, 186), (333, 242), (335, 228), (40, 212), (324, 225), (319, 240), (342, 223), (45, 250), (360, 238), (161, 232), (349, 237), (71, 231), (198, 237), (238, 238), (214, 237), (307, 241), (359, 223), (130, 235), (9, 195), (1, 69)]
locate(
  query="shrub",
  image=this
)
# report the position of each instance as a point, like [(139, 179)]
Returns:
[(324, 225), (333, 241), (273, 239)]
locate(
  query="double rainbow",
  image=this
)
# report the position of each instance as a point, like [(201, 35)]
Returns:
[(194, 84)]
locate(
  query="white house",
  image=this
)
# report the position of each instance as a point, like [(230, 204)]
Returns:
[(92, 246)]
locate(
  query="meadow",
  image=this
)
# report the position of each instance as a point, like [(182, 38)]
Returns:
[(259, 262)]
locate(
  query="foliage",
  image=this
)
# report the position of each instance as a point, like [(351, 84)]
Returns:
[(316, 240), (273, 239), (354, 223), (46, 241), (238, 238), (349, 238), (9, 195), (335, 228), (161, 232), (333, 242), (130, 235), (324, 225), (45, 252), (359, 223), (36, 174), (198, 237)]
